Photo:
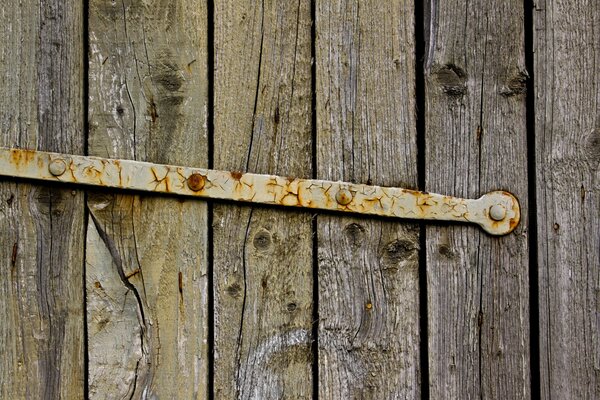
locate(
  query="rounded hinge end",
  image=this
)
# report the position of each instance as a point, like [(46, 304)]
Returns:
[(501, 212)]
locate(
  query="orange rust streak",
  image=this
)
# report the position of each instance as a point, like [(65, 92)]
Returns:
[(154, 174), (19, 157), (132, 273)]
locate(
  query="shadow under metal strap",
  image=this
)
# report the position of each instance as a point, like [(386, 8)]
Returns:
[(496, 212)]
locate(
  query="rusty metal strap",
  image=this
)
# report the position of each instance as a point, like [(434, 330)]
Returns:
[(496, 212)]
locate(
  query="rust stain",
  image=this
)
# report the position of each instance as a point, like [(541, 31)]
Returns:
[(165, 179), (93, 173), (20, 157), (290, 199), (154, 174), (369, 204), (117, 164), (196, 182), (132, 273), (237, 175)]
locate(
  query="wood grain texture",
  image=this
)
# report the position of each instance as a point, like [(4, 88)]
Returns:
[(41, 228), (567, 107), (146, 258), (366, 132), (478, 290), (262, 257)]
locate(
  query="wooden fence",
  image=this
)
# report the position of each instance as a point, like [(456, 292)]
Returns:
[(110, 295)]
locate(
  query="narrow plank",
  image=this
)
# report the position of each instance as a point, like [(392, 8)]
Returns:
[(146, 257), (41, 251), (366, 132), (475, 84), (567, 101), (262, 257)]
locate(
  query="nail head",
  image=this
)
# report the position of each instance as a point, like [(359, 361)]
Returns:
[(497, 212), (343, 197), (57, 167), (195, 182)]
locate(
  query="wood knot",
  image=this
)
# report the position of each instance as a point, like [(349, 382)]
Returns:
[(50, 201), (515, 84), (169, 75), (396, 252), (355, 234), (446, 251), (452, 79), (262, 240), (234, 290)]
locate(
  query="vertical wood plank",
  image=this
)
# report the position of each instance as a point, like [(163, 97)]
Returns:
[(262, 257), (476, 142), (567, 106), (366, 132), (41, 250), (146, 256)]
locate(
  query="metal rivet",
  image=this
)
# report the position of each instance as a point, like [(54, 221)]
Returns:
[(497, 212), (57, 167), (343, 197), (195, 182)]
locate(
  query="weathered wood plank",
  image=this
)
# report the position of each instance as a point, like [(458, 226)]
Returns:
[(146, 256), (567, 95), (366, 132), (475, 84), (41, 251), (262, 257)]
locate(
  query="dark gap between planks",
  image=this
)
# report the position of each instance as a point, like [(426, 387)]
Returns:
[(86, 216), (210, 68), (534, 325), (315, 239), (420, 119)]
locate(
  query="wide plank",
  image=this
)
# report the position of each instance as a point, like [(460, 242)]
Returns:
[(475, 121), (41, 226), (262, 257), (567, 87), (146, 256), (368, 342)]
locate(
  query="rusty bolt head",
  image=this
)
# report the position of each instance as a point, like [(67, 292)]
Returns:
[(195, 182), (343, 197), (57, 167), (497, 212)]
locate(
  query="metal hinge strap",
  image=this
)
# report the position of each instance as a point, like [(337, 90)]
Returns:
[(496, 212)]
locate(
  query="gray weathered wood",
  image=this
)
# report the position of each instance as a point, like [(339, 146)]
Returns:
[(146, 256), (477, 285), (262, 257), (366, 132), (41, 251), (567, 95)]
